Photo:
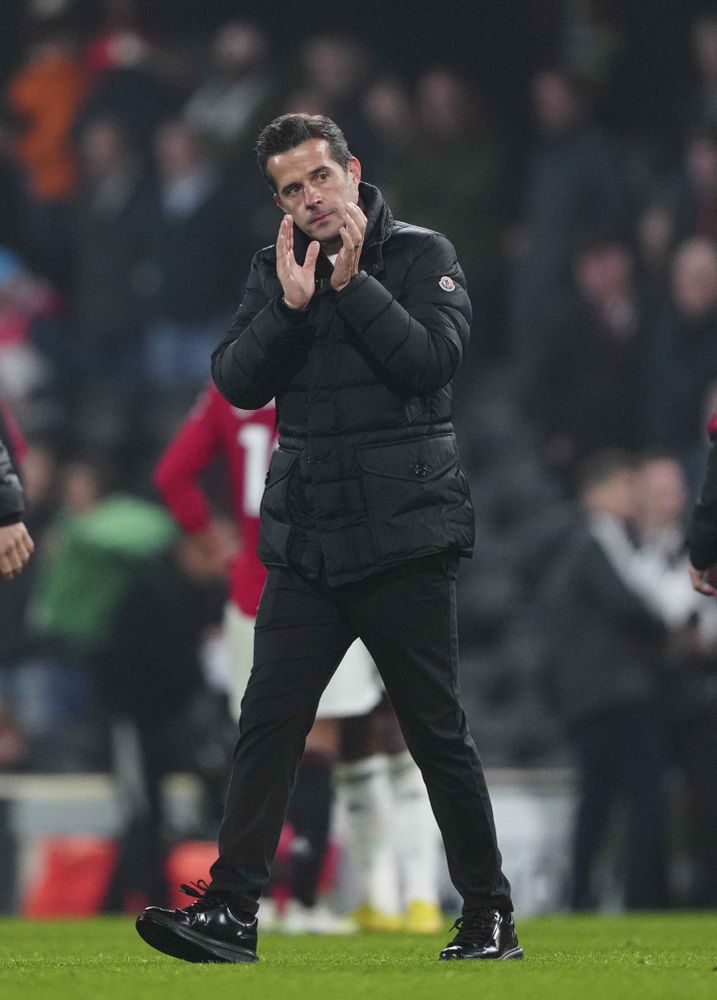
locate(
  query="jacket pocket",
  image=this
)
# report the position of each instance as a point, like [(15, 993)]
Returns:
[(417, 497), (274, 527)]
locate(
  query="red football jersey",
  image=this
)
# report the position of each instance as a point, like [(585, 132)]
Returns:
[(244, 439)]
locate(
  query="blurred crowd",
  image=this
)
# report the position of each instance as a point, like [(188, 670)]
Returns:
[(130, 208)]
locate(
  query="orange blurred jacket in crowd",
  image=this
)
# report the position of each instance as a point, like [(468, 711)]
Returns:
[(46, 94)]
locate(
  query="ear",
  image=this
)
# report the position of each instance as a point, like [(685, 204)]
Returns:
[(354, 167), (278, 201)]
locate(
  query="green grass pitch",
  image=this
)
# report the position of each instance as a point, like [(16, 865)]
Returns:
[(580, 957)]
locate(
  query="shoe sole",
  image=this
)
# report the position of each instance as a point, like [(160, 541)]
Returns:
[(515, 953), (183, 943)]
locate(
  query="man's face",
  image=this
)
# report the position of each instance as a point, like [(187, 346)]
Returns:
[(314, 189), (661, 493), (614, 495)]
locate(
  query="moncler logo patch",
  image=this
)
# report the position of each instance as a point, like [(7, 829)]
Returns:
[(447, 284)]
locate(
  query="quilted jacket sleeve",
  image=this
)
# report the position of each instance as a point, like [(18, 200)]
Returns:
[(702, 536), (263, 347), (417, 339)]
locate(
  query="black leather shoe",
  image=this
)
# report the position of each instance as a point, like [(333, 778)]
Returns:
[(205, 931), (483, 934)]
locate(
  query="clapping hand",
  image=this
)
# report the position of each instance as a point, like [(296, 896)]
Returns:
[(297, 280), (352, 235)]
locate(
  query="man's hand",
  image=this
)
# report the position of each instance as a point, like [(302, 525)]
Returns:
[(701, 581), (16, 547), (352, 233), (297, 281)]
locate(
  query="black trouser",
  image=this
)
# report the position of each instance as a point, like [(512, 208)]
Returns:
[(406, 617)]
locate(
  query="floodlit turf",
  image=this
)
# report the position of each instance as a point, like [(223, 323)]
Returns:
[(583, 958)]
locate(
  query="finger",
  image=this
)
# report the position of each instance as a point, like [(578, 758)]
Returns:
[(284, 247), (347, 250), (17, 557), (281, 246), (358, 216), (24, 552), (10, 564), (354, 232), (312, 254)]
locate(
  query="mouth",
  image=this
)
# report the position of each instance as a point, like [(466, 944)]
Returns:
[(318, 219)]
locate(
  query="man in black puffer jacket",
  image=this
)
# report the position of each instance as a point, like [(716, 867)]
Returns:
[(15, 543), (356, 324)]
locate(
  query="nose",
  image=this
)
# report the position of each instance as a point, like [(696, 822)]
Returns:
[(311, 195)]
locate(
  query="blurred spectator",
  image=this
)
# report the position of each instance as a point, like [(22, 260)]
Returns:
[(589, 385), (30, 675), (389, 109), (103, 536), (454, 191), (333, 72), (13, 197), (696, 211), (654, 238), (197, 256), (119, 35), (134, 83), (42, 100), (602, 669), (94, 550), (704, 50), (576, 187), (110, 301), (229, 103), (31, 343), (689, 696), (163, 718), (684, 357)]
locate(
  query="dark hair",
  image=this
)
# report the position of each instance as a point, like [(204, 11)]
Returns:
[(601, 466), (288, 131)]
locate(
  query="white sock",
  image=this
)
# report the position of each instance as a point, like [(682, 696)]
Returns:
[(364, 789), (416, 837)]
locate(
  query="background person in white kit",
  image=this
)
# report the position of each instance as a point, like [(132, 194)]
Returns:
[(391, 835)]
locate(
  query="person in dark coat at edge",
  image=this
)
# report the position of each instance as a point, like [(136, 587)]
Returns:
[(356, 323), (16, 545), (601, 675), (702, 533)]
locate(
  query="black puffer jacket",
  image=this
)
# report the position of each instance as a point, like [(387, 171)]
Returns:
[(362, 384), (702, 535), (11, 506)]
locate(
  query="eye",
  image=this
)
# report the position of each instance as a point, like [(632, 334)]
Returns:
[(322, 175)]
